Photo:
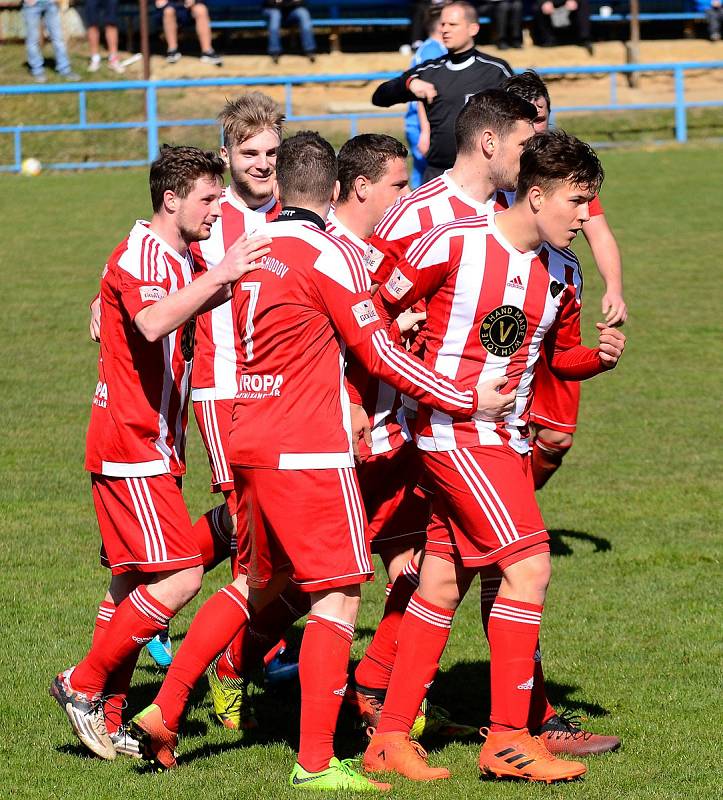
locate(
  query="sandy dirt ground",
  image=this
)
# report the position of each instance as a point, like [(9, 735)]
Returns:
[(354, 96)]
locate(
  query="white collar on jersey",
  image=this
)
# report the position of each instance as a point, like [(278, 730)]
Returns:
[(231, 198), (341, 230), (142, 228), (480, 208), (511, 249)]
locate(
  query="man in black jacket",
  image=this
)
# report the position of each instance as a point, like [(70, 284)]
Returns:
[(445, 84)]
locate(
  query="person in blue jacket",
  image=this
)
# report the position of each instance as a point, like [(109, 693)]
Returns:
[(416, 127)]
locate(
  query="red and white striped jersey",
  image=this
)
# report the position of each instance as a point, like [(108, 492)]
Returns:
[(489, 307), (381, 401), (433, 203), (140, 408), (216, 364), (309, 300)]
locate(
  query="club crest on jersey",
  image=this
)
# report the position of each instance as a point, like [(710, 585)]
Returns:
[(154, 293), (556, 288), (364, 313), (503, 330), (188, 338)]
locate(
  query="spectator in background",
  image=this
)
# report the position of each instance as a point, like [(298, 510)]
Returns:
[(552, 16), (446, 83), (416, 124), (181, 12), (35, 12), (420, 30), (507, 16), (108, 11), (714, 16), (289, 11)]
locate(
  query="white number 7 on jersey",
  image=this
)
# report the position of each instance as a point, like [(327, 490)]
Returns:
[(253, 288)]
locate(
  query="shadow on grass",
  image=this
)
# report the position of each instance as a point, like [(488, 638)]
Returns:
[(559, 547), (472, 705)]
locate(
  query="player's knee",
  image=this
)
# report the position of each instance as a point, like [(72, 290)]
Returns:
[(187, 585), (554, 439), (527, 579)]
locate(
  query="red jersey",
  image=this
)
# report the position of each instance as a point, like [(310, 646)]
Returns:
[(140, 408), (433, 203), (489, 307), (381, 401), (217, 360), (298, 312)]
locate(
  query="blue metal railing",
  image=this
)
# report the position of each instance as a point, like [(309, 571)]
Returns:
[(152, 124)]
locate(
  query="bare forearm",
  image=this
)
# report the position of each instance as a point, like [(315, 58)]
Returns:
[(605, 252), (168, 314)]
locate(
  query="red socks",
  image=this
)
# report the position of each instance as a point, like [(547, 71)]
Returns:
[(323, 665), (215, 624), (514, 629), (423, 636), (375, 668), (136, 621), (546, 460), (212, 539)]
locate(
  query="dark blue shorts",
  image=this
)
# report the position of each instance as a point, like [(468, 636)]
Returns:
[(101, 12)]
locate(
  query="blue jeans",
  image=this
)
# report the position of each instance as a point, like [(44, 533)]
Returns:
[(299, 16), (33, 15)]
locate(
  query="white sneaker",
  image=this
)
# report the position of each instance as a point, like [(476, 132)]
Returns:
[(94, 63), (114, 63)]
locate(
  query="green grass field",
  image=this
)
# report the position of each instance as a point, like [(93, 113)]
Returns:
[(631, 635)]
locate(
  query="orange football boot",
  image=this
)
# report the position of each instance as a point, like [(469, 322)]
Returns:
[(516, 754), (396, 752), (157, 742)]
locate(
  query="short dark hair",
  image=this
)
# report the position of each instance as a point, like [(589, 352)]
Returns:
[(470, 11), (554, 157), (306, 169), (493, 110), (367, 154), (528, 85), (431, 17), (177, 169)]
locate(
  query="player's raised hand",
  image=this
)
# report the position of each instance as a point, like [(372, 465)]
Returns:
[(614, 309), (492, 405), (242, 256), (611, 344), (422, 89)]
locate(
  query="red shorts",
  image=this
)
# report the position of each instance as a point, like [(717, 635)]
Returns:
[(213, 418), (555, 403), (397, 509), (309, 522), (484, 509), (144, 524)]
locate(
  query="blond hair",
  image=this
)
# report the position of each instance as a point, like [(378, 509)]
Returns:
[(248, 115)]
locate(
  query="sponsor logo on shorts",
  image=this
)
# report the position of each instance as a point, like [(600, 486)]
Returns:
[(154, 293), (364, 313), (340, 692), (100, 398), (398, 285), (372, 258), (527, 685), (503, 330), (256, 387)]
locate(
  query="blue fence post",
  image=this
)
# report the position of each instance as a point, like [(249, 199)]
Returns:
[(681, 117), (288, 104), (82, 108), (613, 88), (152, 121), (18, 147)]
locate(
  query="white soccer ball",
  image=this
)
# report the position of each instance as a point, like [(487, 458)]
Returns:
[(31, 167)]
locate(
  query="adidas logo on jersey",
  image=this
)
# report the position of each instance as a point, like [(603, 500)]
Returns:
[(516, 283), (527, 685)]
